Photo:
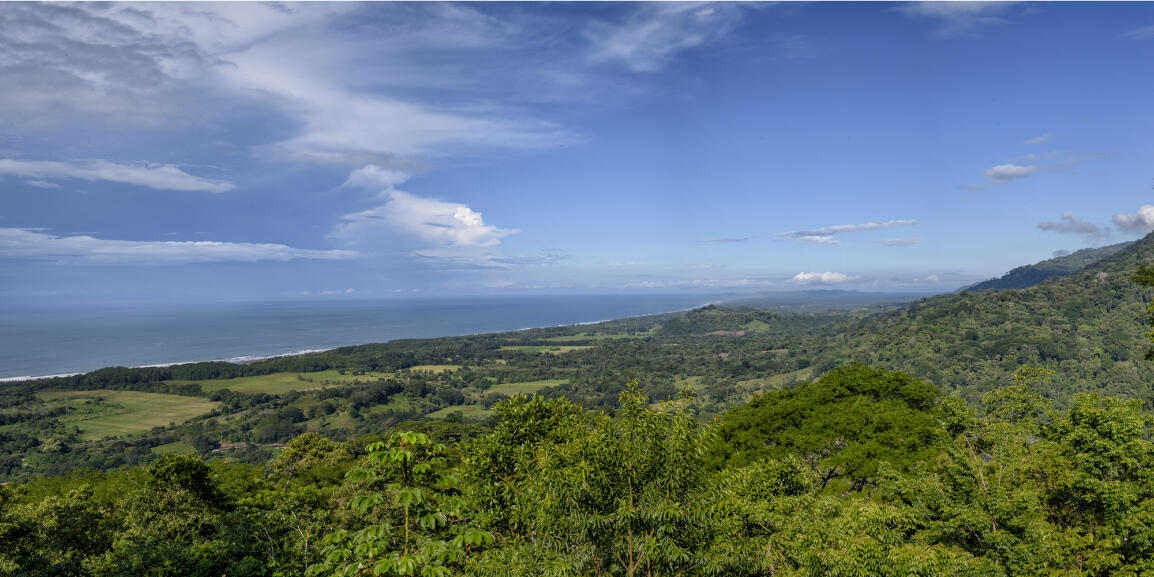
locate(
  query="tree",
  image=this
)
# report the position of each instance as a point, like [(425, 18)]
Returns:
[(844, 425), (414, 523)]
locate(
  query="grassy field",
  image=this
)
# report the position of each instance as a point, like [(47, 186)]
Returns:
[(756, 326), (469, 412), (280, 383), (176, 448), (776, 381), (552, 349), (433, 368), (100, 414), (526, 388), (597, 337)]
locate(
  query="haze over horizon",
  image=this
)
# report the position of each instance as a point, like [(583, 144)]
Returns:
[(225, 151)]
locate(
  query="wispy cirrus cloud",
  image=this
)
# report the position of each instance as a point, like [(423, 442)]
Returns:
[(1040, 139), (900, 241), (725, 240), (23, 243), (828, 234), (959, 18), (150, 175), (647, 39), (1011, 171), (1140, 33)]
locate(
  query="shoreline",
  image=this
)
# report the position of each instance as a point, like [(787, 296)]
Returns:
[(249, 359)]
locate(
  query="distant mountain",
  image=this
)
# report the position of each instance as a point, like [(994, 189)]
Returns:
[(1032, 274)]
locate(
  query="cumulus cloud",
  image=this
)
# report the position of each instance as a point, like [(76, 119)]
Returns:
[(822, 278), (826, 235), (425, 228), (653, 34), (1140, 222), (32, 244), (958, 18), (149, 175)]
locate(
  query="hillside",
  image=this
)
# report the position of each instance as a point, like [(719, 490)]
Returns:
[(1029, 275), (1087, 327)]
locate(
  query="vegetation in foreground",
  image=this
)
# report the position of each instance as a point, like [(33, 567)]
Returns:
[(924, 486)]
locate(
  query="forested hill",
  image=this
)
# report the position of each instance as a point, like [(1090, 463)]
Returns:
[(1088, 326), (1029, 275)]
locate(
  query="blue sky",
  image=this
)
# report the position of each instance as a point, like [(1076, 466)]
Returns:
[(240, 151)]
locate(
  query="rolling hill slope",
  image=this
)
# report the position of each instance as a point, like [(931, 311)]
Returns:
[(1087, 325)]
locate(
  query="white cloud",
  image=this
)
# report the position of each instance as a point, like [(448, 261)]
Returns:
[(826, 235), (127, 62), (150, 175), (1140, 33), (326, 70), (1006, 172), (31, 244), (900, 241), (41, 184), (724, 240), (822, 278), (958, 18), (422, 227), (1139, 222), (1069, 223), (812, 238), (653, 34), (373, 176), (1040, 139)]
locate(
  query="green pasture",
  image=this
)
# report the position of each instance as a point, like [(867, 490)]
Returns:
[(551, 349), (598, 337), (433, 368), (117, 413), (280, 383), (525, 388), (777, 381), (177, 448), (468, 412), (756, 326)]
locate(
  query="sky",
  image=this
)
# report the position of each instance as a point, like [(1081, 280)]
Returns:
[(227, 151)]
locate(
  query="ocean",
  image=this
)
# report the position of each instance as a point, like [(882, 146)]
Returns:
[(40, 341)]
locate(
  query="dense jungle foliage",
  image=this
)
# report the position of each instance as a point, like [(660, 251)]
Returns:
[(994, 432)]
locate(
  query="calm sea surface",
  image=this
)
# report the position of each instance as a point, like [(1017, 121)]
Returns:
[(48, 341)]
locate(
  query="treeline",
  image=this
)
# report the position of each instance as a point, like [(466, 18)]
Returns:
[(1013, 487)]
